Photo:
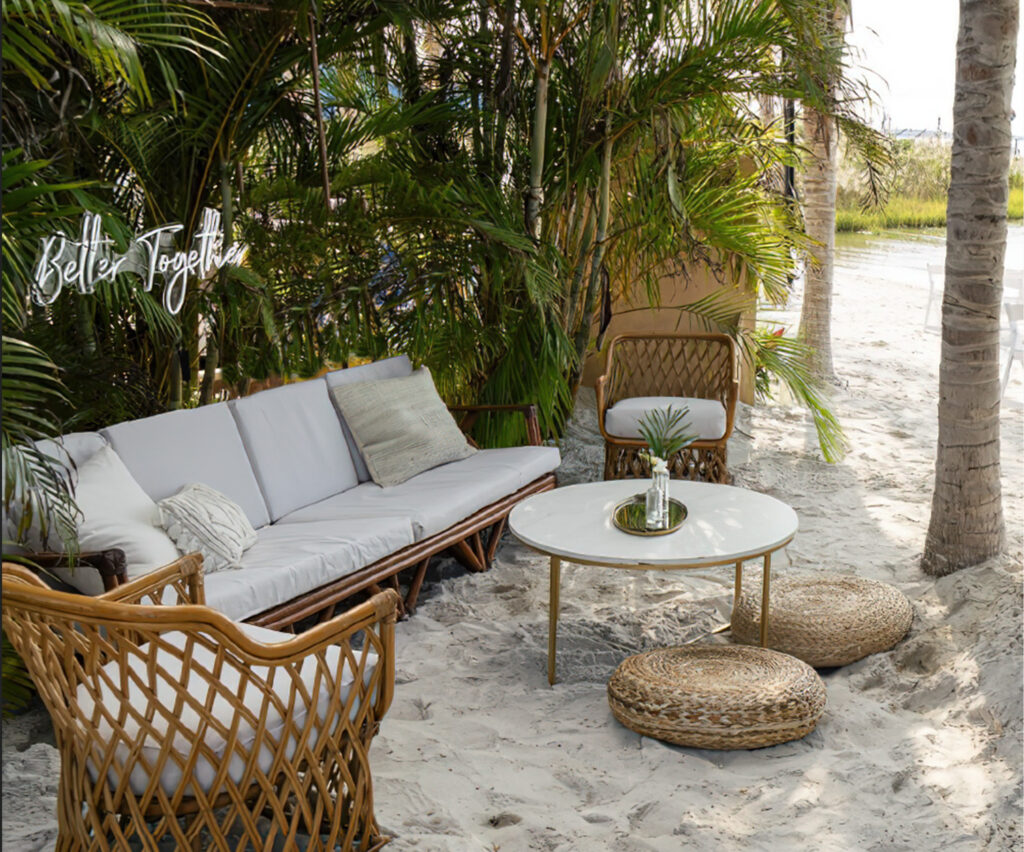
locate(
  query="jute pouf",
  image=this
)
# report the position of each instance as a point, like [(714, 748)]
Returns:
[(717, 696), (824, 621)]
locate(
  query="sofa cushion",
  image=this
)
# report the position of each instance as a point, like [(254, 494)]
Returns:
[(199, 518), (441, 497), (389, 368), (170, 450), (68, 452), (135, 685), (289, 560), (402, 426), (116, 512), (295, 444), (78, 446), (706, 417)]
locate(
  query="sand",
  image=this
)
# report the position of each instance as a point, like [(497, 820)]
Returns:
[(919, 748)]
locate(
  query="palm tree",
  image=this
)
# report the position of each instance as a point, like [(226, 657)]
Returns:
[(819, 208), (967, 517)]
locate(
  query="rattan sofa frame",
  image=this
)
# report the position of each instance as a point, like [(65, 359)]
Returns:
[(473, 541), (293, 756), (700, 365)]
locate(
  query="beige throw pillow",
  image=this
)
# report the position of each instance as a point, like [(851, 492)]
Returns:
[(401, 426)]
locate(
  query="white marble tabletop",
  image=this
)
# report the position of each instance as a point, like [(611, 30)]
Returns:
[(724, 524)]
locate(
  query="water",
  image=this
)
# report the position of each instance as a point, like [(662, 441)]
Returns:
[(904, 256)]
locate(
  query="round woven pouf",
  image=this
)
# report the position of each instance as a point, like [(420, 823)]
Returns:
[(717, 696), (824, 621)]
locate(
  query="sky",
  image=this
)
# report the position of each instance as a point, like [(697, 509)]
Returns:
[(910, 48)]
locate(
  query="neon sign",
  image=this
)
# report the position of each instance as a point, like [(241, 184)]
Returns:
[(83, 263)]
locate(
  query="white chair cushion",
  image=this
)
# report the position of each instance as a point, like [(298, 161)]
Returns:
[(706, 417), (289, 560), (199, 518), (389, 368), (116, 512), (438, 498), (295, 444), (170, 450), (127, 690)]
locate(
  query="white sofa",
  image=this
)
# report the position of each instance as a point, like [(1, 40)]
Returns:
[(324, 529)]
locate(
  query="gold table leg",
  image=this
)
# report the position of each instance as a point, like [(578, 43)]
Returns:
[(737, 586), (765, 582), (555, 582)]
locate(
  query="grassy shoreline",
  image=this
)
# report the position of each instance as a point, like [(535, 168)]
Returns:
[(902, 212)]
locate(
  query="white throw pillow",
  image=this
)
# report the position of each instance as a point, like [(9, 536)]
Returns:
[(201, 518), (401, 425), (116, 512)]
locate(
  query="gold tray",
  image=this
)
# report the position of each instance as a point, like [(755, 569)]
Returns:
[(630, 516)]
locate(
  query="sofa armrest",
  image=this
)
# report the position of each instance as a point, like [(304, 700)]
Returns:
[(110, 564), (529, 412), (184, 577)]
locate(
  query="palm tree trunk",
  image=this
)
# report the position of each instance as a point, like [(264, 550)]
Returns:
[(967, 513), (820, 222), (582, 337), (535, 193)]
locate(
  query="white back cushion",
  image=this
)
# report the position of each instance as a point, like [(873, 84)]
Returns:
[(171, 450), (296, 445), (389, 368), (78, 446), (116, 512)]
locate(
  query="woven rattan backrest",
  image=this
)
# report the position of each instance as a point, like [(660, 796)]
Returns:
[(689, 365), (143, 695)]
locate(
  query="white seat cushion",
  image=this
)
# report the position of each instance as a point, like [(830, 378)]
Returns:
[(389, 368), (440, 497), (295, 444), (289, 560), (168, 451), (706, 417), (127, 691)]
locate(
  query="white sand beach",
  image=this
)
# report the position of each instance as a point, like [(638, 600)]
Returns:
[(920, 748)]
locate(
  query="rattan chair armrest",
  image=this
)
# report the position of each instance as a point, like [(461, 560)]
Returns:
[(184, 576), (379, 611), (110, 564), (528, 410), (730, 408), (599, 392)]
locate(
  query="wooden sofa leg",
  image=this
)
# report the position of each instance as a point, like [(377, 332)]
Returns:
[(414, 587), (495, 538), (467, 556)]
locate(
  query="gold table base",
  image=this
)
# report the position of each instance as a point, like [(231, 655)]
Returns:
[(556, 583)]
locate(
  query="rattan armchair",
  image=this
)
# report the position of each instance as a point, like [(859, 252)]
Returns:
[(177, 726), (643, 371)]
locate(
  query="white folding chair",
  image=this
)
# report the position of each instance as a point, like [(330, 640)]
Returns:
[(1015, 316), (936, 282)]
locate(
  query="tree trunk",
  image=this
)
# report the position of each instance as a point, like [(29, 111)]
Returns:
[(967, 514), (820, 222)]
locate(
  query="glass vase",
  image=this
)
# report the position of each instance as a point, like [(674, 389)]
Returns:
[(657, 501)]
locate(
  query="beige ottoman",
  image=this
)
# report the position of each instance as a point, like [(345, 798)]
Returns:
[(717, 696), (826, 620)]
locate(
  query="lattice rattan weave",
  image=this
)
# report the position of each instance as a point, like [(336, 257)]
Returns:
[(176, 727)]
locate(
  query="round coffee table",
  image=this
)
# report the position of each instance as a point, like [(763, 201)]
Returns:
[(725, 525)]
